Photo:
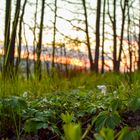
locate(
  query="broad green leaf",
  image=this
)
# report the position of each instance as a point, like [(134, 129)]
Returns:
[(100, 120), (107, 119), (113, 120), (107, 134), (98, 137), (72, 131), (134, 103), (125, 134), (67, 118), (33, 125), (116, 104)]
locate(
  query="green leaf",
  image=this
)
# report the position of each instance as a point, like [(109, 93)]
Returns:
[(125, 134), (116, 104), (113, 120), (100, 120), (55, 129), (107, 119), (67, 118), (14, 102), (98, 137), (34, 124), (134, 103), (72, 131), (107, 134)]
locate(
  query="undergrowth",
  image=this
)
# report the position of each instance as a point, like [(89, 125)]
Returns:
[(69, 108)]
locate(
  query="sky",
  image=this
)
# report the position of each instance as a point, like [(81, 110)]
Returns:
[(63, 26)]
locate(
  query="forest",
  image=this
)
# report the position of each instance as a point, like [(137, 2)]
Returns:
[(70, 70)]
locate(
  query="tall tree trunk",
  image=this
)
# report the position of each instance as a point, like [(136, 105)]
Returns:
[(123, 7), (27, 56), (139, 41), (66, 65), (34, 33), (6, 34), (39, 44), (20, 36), (103, 35), (98, 15), (114, 38), (54, 32), (113, 21), (87, 35), (9, 61), (128, 38)]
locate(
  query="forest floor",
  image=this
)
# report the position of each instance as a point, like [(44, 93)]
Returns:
[(132, 119), (86, 106)]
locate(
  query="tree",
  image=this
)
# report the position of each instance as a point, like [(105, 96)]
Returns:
[(113, 21), (139, 40), (80, 25), (123, 8), (39, 44), (98, 13), (20, 35), (129, 5), (34, 30), (6, 34), (9, 54), (87, 35), (26, 52), (54, 32), (103, 35), (139, 46)]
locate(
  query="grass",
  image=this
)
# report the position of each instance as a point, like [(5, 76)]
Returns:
[(33, 108)]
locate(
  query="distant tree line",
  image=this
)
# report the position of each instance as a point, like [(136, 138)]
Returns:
[(125, 38)]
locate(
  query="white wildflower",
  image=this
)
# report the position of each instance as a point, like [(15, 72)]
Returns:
[(114, 91), (45, 100), (25, 94), (102, 88)]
